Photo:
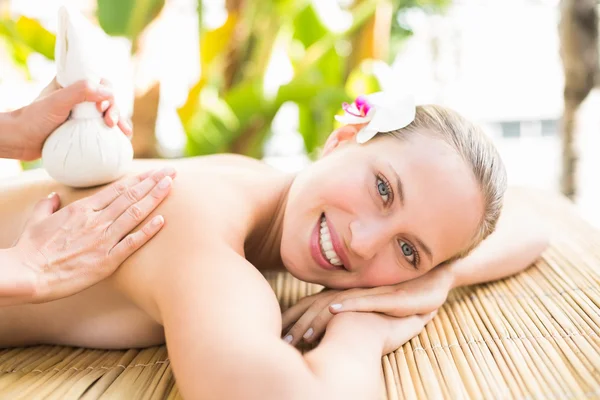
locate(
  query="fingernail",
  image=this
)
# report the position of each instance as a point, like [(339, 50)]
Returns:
[(336, 307), (158, 220), (114, 117), (51, 195), (165, 182), (308, 333), (104, 105), (288, 339), (168, 171)]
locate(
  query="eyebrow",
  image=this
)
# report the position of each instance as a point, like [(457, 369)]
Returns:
[(423, 246), (400, 192), (399, 188)]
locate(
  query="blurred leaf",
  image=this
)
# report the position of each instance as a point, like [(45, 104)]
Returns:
[(212, 45), (361, 13), (28, 35), (25, 36), (127, 17), (308, 27), (362, 80), (36, 37)]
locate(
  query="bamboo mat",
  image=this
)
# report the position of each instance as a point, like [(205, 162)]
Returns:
[(534, 335)]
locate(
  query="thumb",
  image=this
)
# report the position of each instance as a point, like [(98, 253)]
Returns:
[(44, 208), (81, 91), (50, 88)]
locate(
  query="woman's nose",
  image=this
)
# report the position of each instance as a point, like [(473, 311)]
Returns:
[(367, 238)]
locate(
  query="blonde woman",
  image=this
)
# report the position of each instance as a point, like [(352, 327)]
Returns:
[(400, 210)]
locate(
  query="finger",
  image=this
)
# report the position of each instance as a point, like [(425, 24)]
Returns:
[(139, 211), (44, 208), (297, 332), (317, 327), (111, 116), (392, 303), (293, 313), (125, 128), (82, 91), (135, 241), (107, 195), (102, 106), (134, 194)]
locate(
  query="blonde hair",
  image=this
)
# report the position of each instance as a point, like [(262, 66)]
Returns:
[(478, 151)]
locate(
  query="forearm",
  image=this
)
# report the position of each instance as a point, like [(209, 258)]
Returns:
[(16, 283), (347, 363), (10, 147), (517, 242)]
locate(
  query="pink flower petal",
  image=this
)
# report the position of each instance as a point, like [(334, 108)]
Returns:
[(349, 109)]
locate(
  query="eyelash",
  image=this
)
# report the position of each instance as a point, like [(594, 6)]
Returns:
[(387, 186), (414, 263), (390, 192)]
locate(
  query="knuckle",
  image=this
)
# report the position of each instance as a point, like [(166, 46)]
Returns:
[(76, 208), (132, 195), (135, 212), (146, 230), (119, 187), (157, 194), (87, 86), (130, 242)]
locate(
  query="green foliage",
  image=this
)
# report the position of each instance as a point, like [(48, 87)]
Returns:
[(228, 108), (317, 85), (127, 17), (25, 36)]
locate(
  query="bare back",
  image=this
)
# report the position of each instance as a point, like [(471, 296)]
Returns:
[(228, 192)]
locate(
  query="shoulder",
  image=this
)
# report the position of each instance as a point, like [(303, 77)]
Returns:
[(208, 212)]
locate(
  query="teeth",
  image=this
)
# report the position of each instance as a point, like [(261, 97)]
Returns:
[(327, 246)]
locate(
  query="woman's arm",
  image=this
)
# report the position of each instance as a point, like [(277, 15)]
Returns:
[(222, 324), (519, 239)]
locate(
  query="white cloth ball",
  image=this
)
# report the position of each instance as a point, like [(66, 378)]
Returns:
[(86, 152)]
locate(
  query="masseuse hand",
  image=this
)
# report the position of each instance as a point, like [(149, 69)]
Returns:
[(52, 107), (63, 252), (309, 317)]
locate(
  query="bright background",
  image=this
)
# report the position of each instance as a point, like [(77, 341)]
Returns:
[(265, 78)]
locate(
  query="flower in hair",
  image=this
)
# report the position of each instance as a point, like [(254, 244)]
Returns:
[(381, 112)]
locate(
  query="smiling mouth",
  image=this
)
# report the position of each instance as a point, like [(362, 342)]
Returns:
[(326, 245)]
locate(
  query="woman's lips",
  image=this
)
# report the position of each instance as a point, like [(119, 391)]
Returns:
[(337, 245), (315, 250)]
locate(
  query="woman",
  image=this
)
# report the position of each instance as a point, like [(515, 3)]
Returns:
[(395, 209)]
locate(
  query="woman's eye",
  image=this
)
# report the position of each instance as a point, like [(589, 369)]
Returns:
[(408, 252), (384, 190)]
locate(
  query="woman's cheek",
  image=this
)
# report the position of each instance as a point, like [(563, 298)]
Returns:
[(386, 275)]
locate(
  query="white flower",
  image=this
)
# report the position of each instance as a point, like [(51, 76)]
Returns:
[(381, 112)]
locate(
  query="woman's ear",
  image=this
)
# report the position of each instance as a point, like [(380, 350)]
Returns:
[(343, 134)]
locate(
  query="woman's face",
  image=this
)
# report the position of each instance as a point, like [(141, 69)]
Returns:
[(379, 213)]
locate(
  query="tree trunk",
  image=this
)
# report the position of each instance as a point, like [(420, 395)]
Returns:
[(145, 112), (578, 30), (372, 40)]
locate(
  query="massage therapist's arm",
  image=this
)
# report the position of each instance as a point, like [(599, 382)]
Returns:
[(222, 325), (61, 252), (24, 131)]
